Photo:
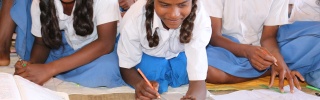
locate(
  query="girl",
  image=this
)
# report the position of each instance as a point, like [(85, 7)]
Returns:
[(84, 52), (243, 44), (166, 39), (15, 17)]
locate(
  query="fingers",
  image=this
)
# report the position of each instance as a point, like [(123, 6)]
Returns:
[(266, 55), (297, 74), (296, 82), (123, 4), (294, 75), (281, 81), (155, 85), (19, 68), (144, 91), (259, 66), (290, 81), (273, 76)]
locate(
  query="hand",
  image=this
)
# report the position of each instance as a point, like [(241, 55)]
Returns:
[(125, 4), (197, 91), (188, 98), (259, 57), (285, 72), (37, 73), (20, 68), (144, 92)]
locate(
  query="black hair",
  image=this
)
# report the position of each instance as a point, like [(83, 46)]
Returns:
[(186, 27), (50, 31)]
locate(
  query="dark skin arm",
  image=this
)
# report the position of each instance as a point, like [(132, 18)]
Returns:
[(40, 73), (7, 27), (256, 55), (142, 90), (197, 91), (268, 40)]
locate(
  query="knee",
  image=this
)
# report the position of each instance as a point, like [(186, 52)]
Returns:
[(216, 76)]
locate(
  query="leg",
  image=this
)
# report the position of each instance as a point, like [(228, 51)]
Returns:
[(7, 27), (217, 76), (102, 72)]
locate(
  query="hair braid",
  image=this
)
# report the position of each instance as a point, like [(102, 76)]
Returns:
[(83, 13), (50, 30), (152, 39), (188, 24)]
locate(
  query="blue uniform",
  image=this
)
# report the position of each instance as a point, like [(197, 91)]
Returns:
[(20, 14), (167, 72)]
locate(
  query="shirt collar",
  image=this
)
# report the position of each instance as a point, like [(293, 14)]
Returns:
[(156, 22)]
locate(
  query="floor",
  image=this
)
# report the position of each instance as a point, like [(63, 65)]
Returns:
[(77, 92)]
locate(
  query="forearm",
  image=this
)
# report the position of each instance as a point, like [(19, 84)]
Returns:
[(131, 76), (268, 41), (83, 56), (7, 26), (197, 89), (40, 52)]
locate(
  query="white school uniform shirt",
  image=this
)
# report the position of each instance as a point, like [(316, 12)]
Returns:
[(305, 10), (133, 41), (244, 19), (104, 11)]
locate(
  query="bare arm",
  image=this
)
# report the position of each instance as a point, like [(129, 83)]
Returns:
[(7, 27), (101, 46), (218, 40), (258, 59), (40, 51), (142, 90), (268, 40)]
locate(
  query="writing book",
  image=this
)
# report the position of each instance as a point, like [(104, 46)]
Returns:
[(13, 87)]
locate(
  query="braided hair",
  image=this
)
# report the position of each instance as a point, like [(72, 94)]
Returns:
[(50, 31), (186, 27)]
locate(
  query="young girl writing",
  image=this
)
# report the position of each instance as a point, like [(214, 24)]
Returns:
[(243, 44), (84, 52), (166, 39)]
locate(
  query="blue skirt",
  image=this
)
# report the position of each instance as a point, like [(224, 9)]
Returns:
[(299, 44), (20, 14), (167, 72), (101, 72)]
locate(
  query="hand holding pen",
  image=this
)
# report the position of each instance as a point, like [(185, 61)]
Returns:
[(146, 89)]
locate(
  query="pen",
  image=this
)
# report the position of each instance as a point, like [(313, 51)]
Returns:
[(145, 78), (272, 56), (313, 88)]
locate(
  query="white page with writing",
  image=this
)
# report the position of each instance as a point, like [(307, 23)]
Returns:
[(32, 91), (8, 88)]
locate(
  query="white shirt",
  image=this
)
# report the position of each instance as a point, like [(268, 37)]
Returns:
[(133, 41), (104, 11), (244, 19), (305, 10)]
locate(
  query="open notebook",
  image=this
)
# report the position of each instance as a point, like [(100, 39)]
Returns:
[(18, 88)]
